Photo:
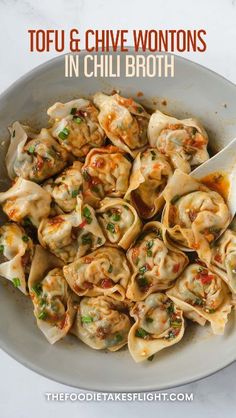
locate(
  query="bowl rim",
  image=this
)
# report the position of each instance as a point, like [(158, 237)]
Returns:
[(39, 370)]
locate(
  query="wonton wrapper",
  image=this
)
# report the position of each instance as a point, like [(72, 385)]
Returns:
[(33, 156), (102, 272), (18, 249), (54, 303), (124, 121), (120, 222), (184, 141), (26, 199), (78, 119), (65, 188), (201, 291), (106, 173), (194, 215), (223, 261), (158, 324), (71, 235), (102, 323), (156, 264), (150, 173)]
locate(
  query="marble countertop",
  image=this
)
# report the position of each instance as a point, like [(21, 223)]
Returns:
[(22, 391)]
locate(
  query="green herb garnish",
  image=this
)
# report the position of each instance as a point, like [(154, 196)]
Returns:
[(73, 111), (37, 289), (142, 281), (110, 269), (176, 323), (111, 227), (42, 315), (64, 133), (86, 239), (27, 221), (116, 217), (74, 193), (1, 249), (25, 238), (143, 269), (99, 241), (86, 319), (170, 309), (149, 253), (149, 244), (16, 282), (31, 149), (141, 333), (87, 214), (77, 120)]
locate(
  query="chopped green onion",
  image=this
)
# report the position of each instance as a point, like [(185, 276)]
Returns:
[(118, 338), (143, 269), (99, 241), (141, 333), (149, 253), (139, 109), (170, 335), (74, 193), (111, 227), (77, 120), (1, 249), (25, 238), (37, 289), (42, 315), (73, 111), (86, 239), (16, 282), (87, 214), (116, 217), (198, 302), (86, 319), (176, 324), (64, 133), (149, 244), (170, 309), (142, 281), (27, 221), (31, 149), (110, 269)]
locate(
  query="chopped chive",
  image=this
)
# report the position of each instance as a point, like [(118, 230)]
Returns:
[(139, 109), (111, 227), (142, 281), (116, 217), (74, 193), (141, 333), (170, 309), (149, 253), (87, 214), (1, 249), (118, 338), (37, 289), (73, 111), (170, 335), (86, 239), (86, 319), (143, 269), (64, 133), (25, 238), (42, 315), (27, 221), (99, 241), (77, 120), (110, 269), (16, 282), (149, 244), (31, 149)]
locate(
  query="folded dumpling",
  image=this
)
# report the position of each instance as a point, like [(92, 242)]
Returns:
[(102, 272), (223, 260), (124, 121), (26, 200), (65, 188), (156, 264), (71, 235), (184, 141), (194, 215), (102, 323), (106, 173), (17, 248), (54, 303), (119, 221), (76, 127), (150, 174), (34, 156), (158, 324), (201, 294)]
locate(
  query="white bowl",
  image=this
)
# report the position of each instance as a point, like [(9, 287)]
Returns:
[(193, 91)]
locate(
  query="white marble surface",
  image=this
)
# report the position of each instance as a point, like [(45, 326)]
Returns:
[(22, 391)]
